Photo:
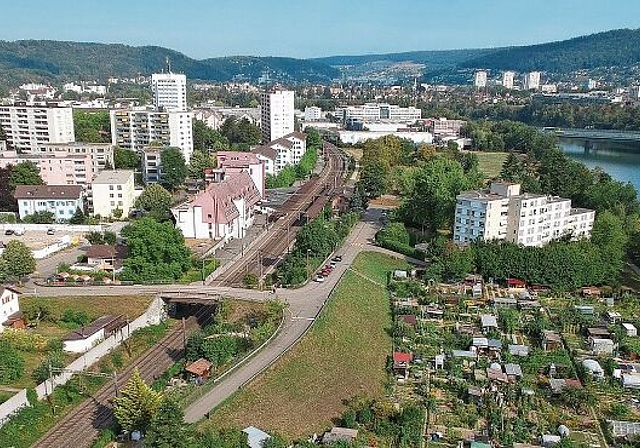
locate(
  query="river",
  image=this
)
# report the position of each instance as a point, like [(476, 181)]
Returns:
[(620, 159)]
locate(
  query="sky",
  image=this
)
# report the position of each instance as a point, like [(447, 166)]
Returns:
[(313, 28)]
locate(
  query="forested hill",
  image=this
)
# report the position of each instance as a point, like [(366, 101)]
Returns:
[(433, 59), (35, 60), (611, 48)]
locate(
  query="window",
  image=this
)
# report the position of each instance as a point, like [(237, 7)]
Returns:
[(110, 187), (119, 187)]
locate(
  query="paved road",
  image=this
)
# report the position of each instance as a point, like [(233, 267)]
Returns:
[(304, 305)]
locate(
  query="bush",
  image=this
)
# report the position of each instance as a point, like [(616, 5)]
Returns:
[(75, 319), (11, 363)]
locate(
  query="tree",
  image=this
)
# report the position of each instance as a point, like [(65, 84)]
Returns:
[(78, 217), (433, 199), (25, 173), (155, 200), (92, 127), (41, 217), (206, 139), (174, 169), (241, 132), (199, 162), (373, 180), (126, 159), (137, 404), (11, 363), (19, 260), (156, 251), (167, 428), (7, 202)]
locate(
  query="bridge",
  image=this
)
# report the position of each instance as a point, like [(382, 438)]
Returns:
[(594, 134)]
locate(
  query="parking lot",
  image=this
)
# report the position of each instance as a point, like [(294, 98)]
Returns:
[(36, 240)]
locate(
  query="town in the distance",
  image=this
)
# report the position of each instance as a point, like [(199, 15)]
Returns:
[(384, 259)]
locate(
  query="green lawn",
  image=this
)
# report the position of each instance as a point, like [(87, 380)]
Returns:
[(343, 355), (490, 163), (376, 266)]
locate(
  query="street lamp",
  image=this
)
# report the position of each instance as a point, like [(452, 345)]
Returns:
[(308, 252)]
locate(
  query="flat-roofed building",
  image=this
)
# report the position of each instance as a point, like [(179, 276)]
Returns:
[(111, 190), (28, 126)]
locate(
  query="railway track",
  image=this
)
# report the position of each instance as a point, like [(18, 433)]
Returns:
[(264, 256), (83, 424)]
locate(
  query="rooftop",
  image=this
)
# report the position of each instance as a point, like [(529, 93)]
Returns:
[(48, 192), (108, 177)]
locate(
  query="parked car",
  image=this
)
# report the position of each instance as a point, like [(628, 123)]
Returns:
[(51, 231), (8, 232), (319, 279), (337, 258), (19, 231)]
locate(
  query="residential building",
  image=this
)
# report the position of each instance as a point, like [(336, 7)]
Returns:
[(61, 200), (503, 213), (282, 152), (223, 211), (112, 190), (151, 164), (30, 126), (372, 112), (100, 154), (169, 91), (277, 114), (211, 118), (531, 81), (507, 80), (313, 113), (480, 79), (231, 162), (10, 316), (56, 168), (136, 128)]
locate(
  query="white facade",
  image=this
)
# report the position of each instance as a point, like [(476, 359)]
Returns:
[(9, 305), (503, 213), (282, 152), (313, 114), (100, 154), (136, 128), (169, 91), (277, 114), (29, 127), (531, 81), (82, 345), (112, 190), (480, 79), (507, 80), (372, 112), (354, 137), (61, 200)]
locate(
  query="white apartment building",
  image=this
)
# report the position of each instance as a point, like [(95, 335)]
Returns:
[(169, 91), (480, 79), (503, 213), (112, 190), (61, 200), (136, 128), (282, 152), (507, 80), (372, 112), (277, 114), (443, 126), (531, 81), (29, 126), (313, 113)]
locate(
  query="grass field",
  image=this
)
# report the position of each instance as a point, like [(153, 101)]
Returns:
[(343, 355), (490, 163)]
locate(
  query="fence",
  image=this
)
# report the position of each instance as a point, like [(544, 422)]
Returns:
[(153, 316)]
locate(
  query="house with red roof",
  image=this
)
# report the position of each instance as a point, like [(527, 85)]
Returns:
[(221, 212), (401, 362), (233, 162)]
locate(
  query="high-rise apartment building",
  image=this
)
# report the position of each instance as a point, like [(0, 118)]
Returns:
[(503, 213), (372, 112), (480, 79), (507, 80), (531, 81), (169, 91), (136, 128), (29, 126), (277, 114)]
